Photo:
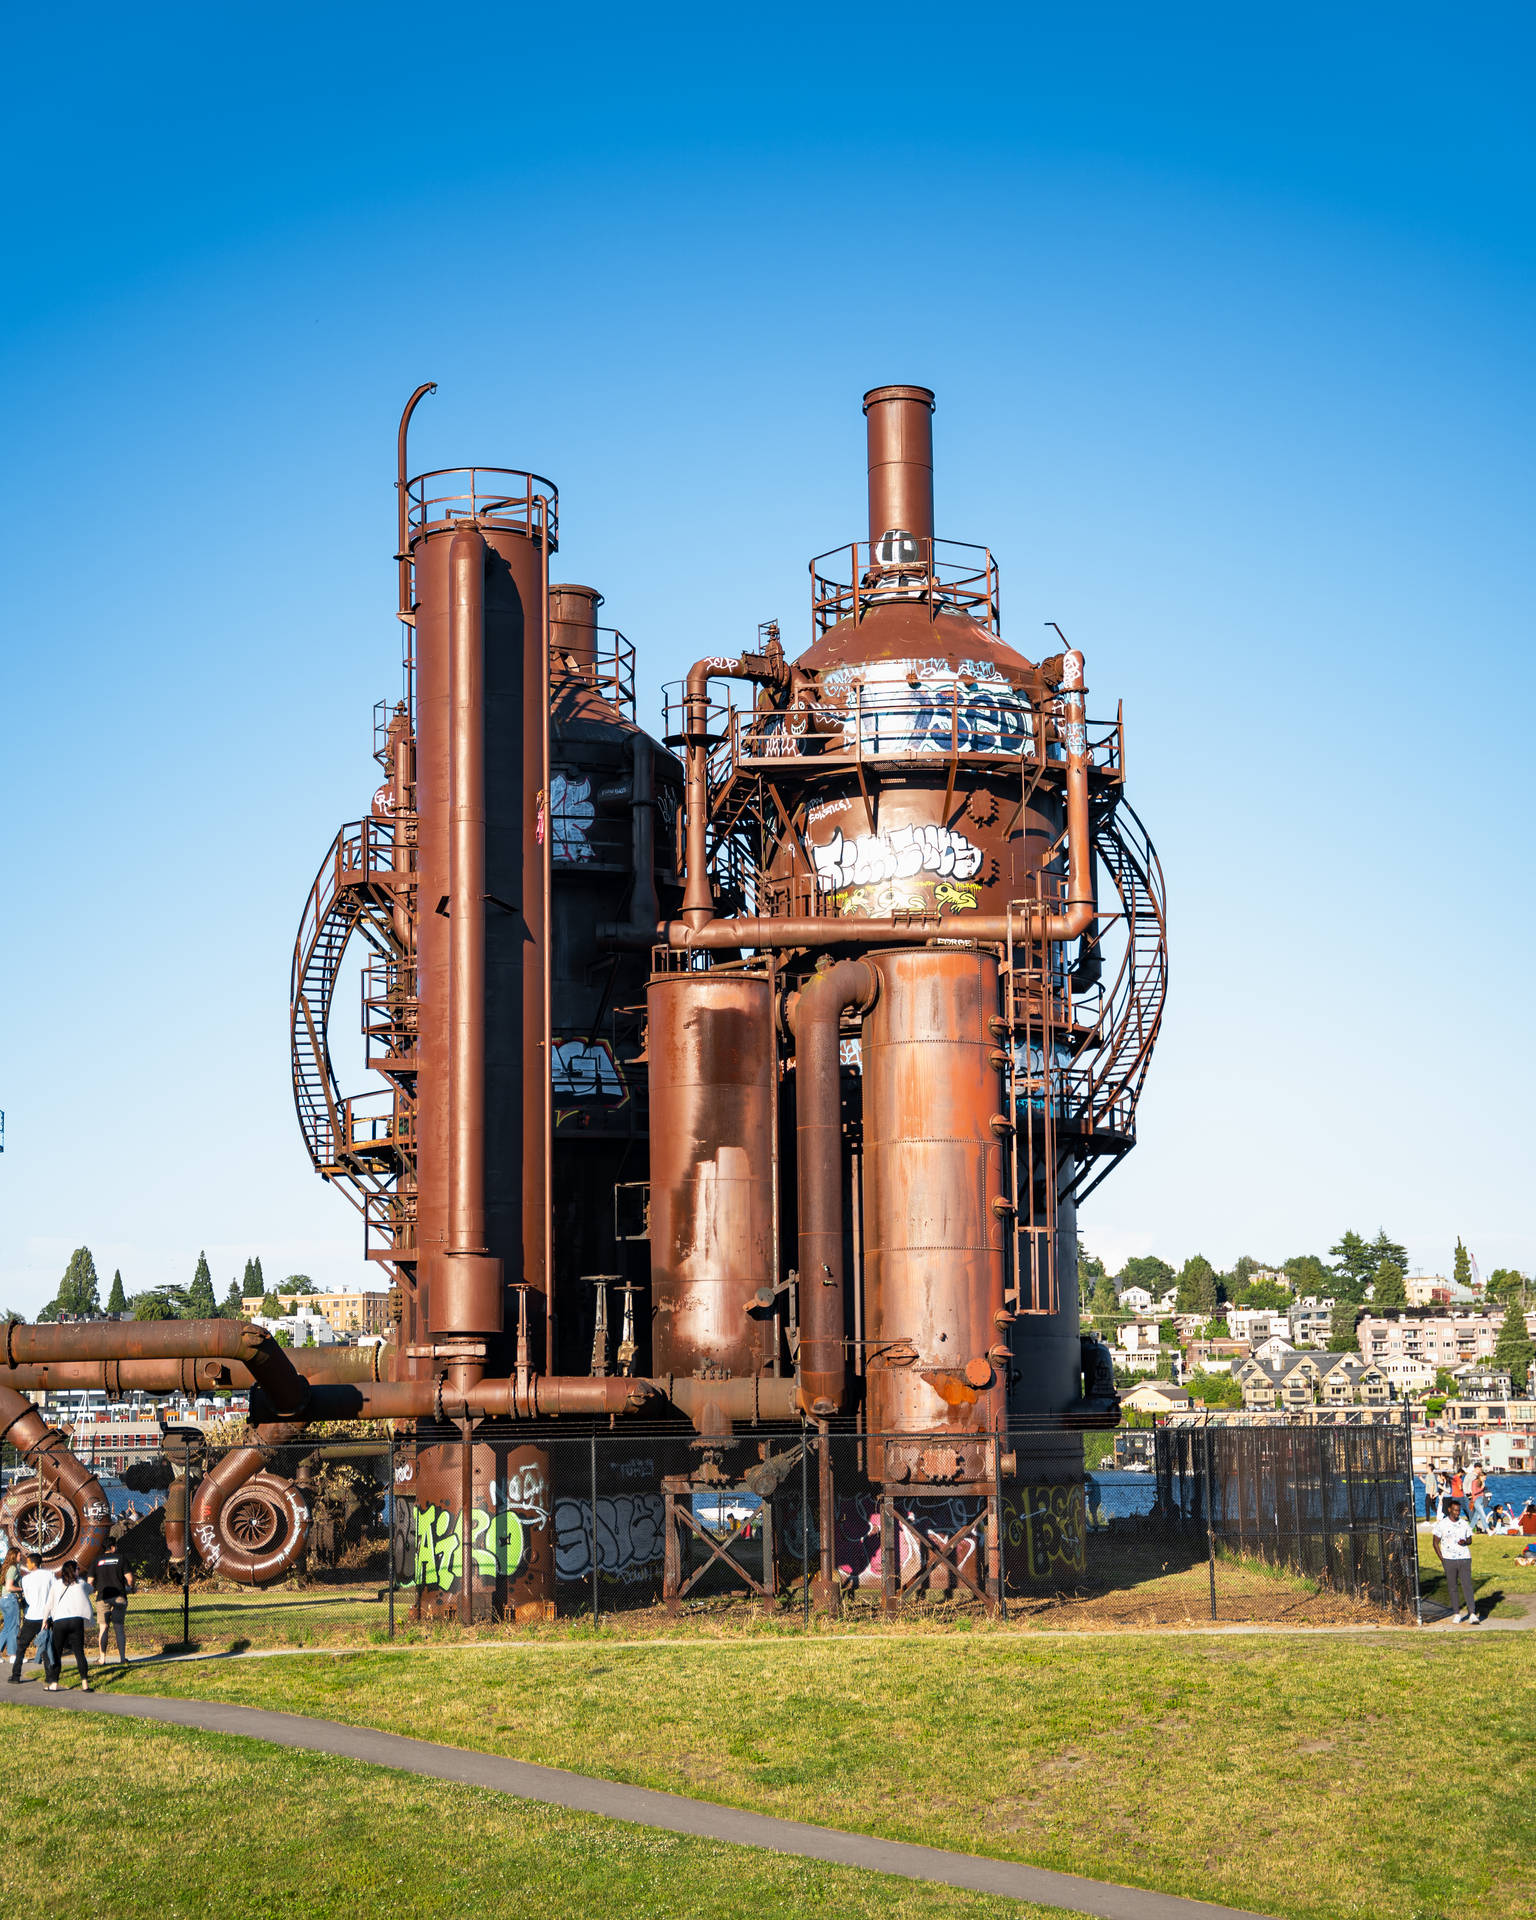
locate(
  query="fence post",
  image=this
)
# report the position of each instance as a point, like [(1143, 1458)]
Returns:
[(393, 1518), (186, 1557), (997, 1537), (594, 1527), (805, 1518), (1413, 1520), (1210, 1518)]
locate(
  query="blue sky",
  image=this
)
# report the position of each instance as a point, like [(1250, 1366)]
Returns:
[(1229, 321)]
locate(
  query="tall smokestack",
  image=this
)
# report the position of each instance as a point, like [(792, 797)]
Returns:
[(573, 626), (900, 462)]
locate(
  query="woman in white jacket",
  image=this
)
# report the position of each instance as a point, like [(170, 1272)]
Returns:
[(69, 1609)]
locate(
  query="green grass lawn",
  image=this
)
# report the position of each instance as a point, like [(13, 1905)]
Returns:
[(1494, 1574), (1378, 1778), (113, 1817)]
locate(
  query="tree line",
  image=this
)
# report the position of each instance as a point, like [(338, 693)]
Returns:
[(1358, 1271), (79, 1294)]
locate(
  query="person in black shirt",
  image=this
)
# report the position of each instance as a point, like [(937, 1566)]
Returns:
[(114, 1583)]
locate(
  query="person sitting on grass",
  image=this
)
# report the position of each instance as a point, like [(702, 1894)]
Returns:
[(1452, 1538), (1526, 1524)]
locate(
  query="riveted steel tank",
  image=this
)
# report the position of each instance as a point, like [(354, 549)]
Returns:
[(711, 1055)]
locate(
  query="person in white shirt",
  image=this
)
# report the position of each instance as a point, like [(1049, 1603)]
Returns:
[(69, 1608), (37, 1586), (1452, 1537)]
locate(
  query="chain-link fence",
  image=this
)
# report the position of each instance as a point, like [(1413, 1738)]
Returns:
[(352, 1541)]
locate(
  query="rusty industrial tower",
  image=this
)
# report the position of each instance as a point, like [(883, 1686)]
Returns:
[(739, 1085)]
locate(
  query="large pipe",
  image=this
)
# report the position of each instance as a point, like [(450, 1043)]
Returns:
[(25, 1429), (221, 1553), (640, 928), (467, 1300), (192, 1376), (573, 627), (269, 1366), (766, 669), (547, 1396), (900, 435), (815, 1018)]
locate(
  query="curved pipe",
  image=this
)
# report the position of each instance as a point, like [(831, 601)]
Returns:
[(641, 928), (815, 1020), (268, 1364), (766, 669), (214, 1492), (402, 475), (25, 1429)]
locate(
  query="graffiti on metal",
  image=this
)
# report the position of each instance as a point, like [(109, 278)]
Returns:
[(630, 1538), (896, 853), (1049, 1523), (515, 1508)]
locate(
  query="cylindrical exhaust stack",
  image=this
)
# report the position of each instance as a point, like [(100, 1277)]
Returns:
[(573, 628), (900, 430)]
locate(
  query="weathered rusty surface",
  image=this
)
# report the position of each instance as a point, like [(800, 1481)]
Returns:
[(711, 1064), (933, 1239), (817, 1017), (249, 1524), (492, 1555), (573, 628), (60, 1510), (107, 1340)]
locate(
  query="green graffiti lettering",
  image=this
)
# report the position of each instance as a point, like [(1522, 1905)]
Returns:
[(498, 1544)]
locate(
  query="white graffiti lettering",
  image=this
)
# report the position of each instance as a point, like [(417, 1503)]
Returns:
[(898, 853), (571, 816), (586, 1072)]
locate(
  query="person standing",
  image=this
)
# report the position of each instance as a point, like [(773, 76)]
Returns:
[(68, 1609), (37, 1586), (1452, 1537), (10, 1607), (114, 1583), (1477, 1497), (1431, 1494)]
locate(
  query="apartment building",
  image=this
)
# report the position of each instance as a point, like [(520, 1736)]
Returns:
[(1443, 1337), (360, 1312)]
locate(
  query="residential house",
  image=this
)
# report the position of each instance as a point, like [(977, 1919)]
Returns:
[(1434, 1290), (1311, 1321), (1135, 1300), (1256, 1323), (303, 1329), (1409, 1379), (1274, 1348), (1215, 1356), (1137, 1335), (1313, 1379), (1273, 1275), (1156, 1396)]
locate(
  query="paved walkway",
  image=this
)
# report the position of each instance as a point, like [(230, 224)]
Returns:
[(642, 1806)]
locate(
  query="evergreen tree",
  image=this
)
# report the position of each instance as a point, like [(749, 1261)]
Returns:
[(229, 1307), (1354, 1267), (1106, 1302), (117, 1300), (249, 1290), (1387, 1289), (1461, 1270), (201, 1304), (1308, 1275), (77, 1293), (1341, 1329), (1197, 1286), (271, 1307), (1385, 1248), (152, 1306), (258, 1279), (1507, 1285), (1512, 1351)]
